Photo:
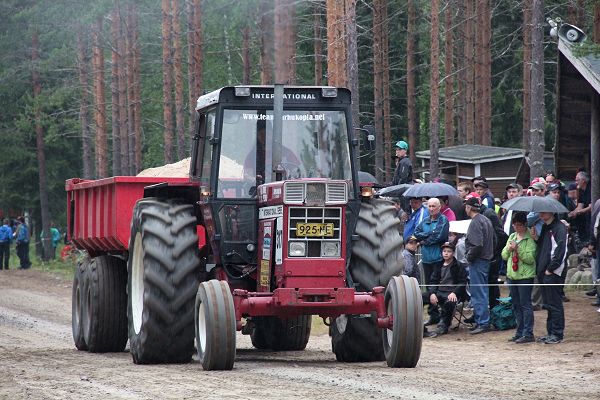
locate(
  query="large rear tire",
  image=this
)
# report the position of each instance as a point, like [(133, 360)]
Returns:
[(104, 312), (164, 272), (376, 258), (402, 343), (77, 306), (290, 334), (215, 325)]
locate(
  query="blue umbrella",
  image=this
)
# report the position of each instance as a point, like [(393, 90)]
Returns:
[(431, 189)]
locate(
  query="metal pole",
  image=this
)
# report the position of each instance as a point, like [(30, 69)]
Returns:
[(277, 132)]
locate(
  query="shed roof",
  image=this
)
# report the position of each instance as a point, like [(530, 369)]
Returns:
[(474, 153), (588, 66)]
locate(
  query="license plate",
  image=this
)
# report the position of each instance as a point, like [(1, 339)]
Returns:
[(314, 229)]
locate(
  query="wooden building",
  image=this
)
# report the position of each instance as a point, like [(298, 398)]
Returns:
[(577, 142), (500, 165)]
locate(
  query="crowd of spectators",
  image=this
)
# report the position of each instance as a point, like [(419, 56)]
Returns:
[(529, 249)]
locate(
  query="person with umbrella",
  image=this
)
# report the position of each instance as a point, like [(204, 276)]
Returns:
[(403, 172), (417, 214)]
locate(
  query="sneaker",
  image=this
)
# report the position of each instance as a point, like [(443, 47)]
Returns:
[(432, 321), (552, 339), (591, 293), (441, 330), (525, 339), (472, 328), (514, 338), (481, 329), (542, 339), (469, 320)]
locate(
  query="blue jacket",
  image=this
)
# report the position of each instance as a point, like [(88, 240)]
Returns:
[(22, 234), (432, 234), (5, 234), (415, 218)]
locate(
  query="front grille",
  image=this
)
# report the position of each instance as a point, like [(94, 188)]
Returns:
[(314, 215), (337, 193), (294, 193)]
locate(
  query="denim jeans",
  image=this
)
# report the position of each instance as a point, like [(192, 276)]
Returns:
[(555, 324), (478, 274), (521, 305)]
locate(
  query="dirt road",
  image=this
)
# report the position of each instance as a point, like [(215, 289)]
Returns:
[(38, 361)]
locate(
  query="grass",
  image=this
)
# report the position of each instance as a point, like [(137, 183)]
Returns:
[(64, 269)]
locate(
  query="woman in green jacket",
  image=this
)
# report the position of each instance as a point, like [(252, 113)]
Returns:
[(519, 253)]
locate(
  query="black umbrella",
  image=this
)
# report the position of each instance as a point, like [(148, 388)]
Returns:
[(365, 177), (535, 204), (394, 191), (431, 189)]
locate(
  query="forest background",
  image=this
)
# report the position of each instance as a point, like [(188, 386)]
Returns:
[(107, 87)]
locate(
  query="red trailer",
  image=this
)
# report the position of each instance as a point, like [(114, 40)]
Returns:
[(271, 228)]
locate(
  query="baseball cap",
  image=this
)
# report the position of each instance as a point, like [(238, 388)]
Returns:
[(512, 186), (473, 200), (538, 186), (553, 186), (412, 238), (402, 144), (483, 184), (448, 245), (479, 178), (536, 180), (572, 186)]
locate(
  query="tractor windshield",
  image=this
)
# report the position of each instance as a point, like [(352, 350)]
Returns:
[(314, 145)]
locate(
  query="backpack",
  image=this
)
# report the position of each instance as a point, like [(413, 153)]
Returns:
[(502, 316)]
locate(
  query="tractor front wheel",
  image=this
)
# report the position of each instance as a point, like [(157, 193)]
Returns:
[(402, 343), (215, 326), (289, 334)]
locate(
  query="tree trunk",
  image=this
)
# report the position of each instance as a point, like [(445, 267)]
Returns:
[(380, 172), (167, 81), (178, 72), (536, 150), (99, 101), (194, 57), (434, 105), (137, 97), (459, 49), (132, 81), (526, 74), (486, 73), (84, 116), (114, 90), (41, 152), (478, 72), (285, 42), (318, 44), (597, 23), (123, 112), (411, 87), (352, 55), (336, 44), (385, 81), (266, 43), (469, 69), (449, 77), (246, 55)]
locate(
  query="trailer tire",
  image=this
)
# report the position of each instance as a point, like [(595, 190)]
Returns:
[(104, 312), (164, 273), (214, 316), (402, 344), (77, 306), (376, 258), (278, 334)]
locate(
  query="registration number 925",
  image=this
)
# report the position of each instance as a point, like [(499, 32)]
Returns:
[(314, 229)]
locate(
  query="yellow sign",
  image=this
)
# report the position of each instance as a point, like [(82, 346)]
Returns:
[(265, 273)]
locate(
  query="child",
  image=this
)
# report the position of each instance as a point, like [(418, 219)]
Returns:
[(448, 286), (410, 265)]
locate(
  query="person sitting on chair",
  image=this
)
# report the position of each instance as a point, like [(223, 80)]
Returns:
[(448, 287)]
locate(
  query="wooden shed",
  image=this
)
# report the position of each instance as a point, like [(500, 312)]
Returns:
[(499, 165), (577, 142)]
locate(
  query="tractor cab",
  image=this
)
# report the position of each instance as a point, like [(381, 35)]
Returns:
[(245, 166)]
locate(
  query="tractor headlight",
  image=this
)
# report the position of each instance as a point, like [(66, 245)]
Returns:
[(330, 249), (297, 249)]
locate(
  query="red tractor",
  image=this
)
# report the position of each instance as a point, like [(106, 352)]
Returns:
[(269, 229)]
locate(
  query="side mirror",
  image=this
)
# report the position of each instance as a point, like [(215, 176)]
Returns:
[(369, 131)]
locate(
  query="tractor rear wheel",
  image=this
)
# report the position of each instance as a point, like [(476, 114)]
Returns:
[(215, 325), (278, 334), (77, 305), (104, 312), (164, 273), (376, 257), (402, 343)]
